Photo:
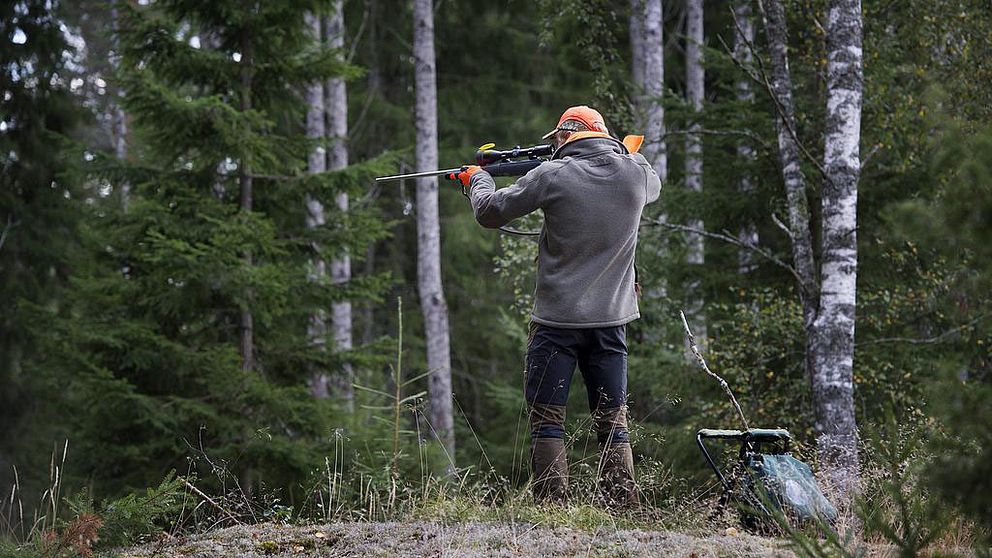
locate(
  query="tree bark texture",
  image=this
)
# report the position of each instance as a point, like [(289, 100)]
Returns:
[(432, 301), (637, 43), (829, 300), (743, 40), (833, 340), (695, 90), (654, 86), (316, 163), (118, 117), (247, 322), (773, 14), (337, 159)]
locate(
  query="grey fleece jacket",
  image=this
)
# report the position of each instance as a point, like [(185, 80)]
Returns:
[(592, 193)]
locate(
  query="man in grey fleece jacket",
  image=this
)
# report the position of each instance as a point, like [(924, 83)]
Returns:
[(592, 192)]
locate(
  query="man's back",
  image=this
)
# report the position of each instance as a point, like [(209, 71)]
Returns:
[(592, 195)]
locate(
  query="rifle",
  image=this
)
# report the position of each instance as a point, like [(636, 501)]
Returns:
[(512, 162)]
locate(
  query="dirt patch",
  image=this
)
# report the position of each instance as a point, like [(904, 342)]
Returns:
[(471, 539)]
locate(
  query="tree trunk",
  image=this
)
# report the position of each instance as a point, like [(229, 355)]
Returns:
[(833, 341), (247, 343), (790, 161), (428, 229), (118, 118), (743, 39), (637, 44), (695, 90), (654, 86), (828, 304), (316, 163), (337, 159)]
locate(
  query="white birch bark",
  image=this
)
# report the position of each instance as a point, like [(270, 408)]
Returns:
[(743, 38), (337, 159), (833, 342), (695, 91), (636, 26), (773, 14), (246, 183), (828, 301), (316, 163), (654, 86), (432, 301), (118, 118)]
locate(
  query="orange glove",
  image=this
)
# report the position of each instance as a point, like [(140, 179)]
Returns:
[(465, 176)]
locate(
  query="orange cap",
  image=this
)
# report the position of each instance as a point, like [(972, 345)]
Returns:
[(590, 117)]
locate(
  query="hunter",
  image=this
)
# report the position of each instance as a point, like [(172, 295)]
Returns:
[(592, 192)]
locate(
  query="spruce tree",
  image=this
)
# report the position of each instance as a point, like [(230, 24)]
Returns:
[(38, 204), (190, 315)]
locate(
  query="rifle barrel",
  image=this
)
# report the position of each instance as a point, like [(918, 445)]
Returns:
[(417, 174)]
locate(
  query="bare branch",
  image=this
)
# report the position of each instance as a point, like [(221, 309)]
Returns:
[(11, 223), (359, 33), (874, 150), (691, 339), (783, 226), (730, 239), (211, 501), (924, 340), (761, 78), (745, 133)]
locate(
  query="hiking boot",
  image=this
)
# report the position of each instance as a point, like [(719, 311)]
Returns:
[(616, 466), (550, 466)]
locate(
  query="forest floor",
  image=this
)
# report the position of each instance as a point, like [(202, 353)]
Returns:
[(465, 539)]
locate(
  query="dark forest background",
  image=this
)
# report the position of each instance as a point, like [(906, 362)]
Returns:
[(121, 279)]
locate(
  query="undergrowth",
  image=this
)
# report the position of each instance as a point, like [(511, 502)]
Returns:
[(392, 472)]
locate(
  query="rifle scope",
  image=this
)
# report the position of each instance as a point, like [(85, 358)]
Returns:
[(484, 157)]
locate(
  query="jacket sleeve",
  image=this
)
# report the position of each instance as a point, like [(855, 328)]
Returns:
[(495, 208), (652, 189)]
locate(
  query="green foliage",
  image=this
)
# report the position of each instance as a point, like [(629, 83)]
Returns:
[(897, 506), (125, 323), (136, 516), (39, 204)]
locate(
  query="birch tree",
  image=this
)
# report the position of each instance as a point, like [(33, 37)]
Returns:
[(337, 159), (245, 184), (695, 90), (743, 40), (316, 163), (118, 119), (832, 344), (828, 301), (432, 301), (636, 27), (654, 86)]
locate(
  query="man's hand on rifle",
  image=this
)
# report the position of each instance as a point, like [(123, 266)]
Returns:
[(465, 175)]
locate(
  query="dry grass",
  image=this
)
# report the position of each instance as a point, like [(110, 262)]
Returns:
[(468, 539)]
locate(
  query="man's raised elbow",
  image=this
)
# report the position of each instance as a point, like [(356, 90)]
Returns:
[(489, 219)]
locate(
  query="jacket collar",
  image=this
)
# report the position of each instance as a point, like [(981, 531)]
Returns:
[(587, 143)]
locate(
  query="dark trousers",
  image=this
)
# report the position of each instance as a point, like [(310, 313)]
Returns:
[(601, 355), (552, 355)]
